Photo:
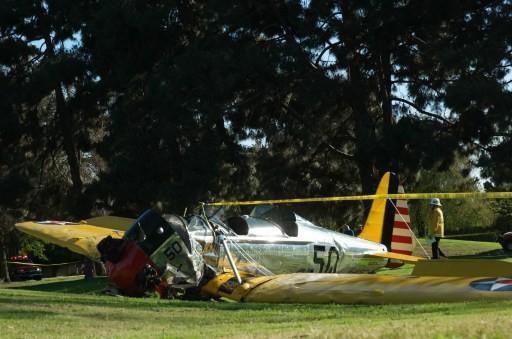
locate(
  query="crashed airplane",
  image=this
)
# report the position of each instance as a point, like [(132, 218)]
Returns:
[(270, 255)]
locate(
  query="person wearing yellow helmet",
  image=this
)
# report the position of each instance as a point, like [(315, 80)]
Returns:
[(436, 227)]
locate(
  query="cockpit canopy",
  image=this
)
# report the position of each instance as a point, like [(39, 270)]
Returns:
[(264, 220), (150, 230)]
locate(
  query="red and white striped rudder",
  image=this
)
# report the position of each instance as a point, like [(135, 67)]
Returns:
[(402, 240)]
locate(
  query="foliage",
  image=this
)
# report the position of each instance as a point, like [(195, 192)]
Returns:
[(117, 106), (460, 216), (503, 211), (34, 248)]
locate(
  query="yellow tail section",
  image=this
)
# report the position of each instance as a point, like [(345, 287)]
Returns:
[(374, 226)]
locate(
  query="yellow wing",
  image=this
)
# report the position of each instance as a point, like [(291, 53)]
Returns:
[(110, 221), (322, 288), (81, 237)]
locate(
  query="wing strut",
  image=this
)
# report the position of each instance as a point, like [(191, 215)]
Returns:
[(222, 238)]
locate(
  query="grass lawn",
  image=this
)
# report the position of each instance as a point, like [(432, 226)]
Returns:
[(455, 249), (74, 307), (461, 249)]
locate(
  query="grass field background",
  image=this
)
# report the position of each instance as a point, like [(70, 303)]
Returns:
[(74, 307)]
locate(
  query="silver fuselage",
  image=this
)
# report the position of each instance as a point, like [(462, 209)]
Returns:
[(265, 248)]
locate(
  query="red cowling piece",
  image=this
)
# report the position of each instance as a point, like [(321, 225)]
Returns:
[(124, 273)]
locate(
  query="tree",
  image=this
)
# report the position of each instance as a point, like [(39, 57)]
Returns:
[(53, 91), (171, 141), (338, 93), (373, 70), (153, 100), (50, 107), (503, 212)]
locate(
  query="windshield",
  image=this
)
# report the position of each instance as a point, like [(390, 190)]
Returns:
[(260, 210), (149, 231)]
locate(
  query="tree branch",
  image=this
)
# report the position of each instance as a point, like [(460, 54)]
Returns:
[(344, 154), (403, 81), (329, 46), (508, 135), (420, 110), (422, 83)]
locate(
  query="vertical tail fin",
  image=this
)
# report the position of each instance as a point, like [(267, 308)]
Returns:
[(378, 226), (388, 221)]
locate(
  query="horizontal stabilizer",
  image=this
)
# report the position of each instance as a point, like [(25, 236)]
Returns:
[(463, 268), (411, 259)]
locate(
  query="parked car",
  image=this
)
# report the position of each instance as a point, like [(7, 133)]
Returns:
[(505, 240), (22, 268)]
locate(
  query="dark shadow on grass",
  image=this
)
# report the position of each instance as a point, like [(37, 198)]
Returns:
[(147, 304), (221, 306), (20, 314), (83, 286), (492, 254), (481, 237), (93, 287)]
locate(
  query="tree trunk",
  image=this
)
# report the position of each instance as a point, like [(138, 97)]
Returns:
[(358, 96), (66, 128), (389, 161), (89, 269), (3, 263), (364, 129), (65, 124), (385, 87), (365, 142)]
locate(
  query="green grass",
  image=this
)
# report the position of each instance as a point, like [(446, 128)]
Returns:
[(455, 249), (31, 312), (74, 307), (461, 249)]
